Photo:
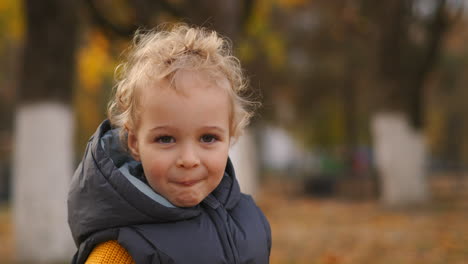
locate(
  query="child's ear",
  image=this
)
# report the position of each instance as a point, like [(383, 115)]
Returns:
[(132, 142)]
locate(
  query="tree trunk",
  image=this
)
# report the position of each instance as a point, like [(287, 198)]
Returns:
[(244, 157), (42, 170), (403, 72), (42, 160), (400, 155)]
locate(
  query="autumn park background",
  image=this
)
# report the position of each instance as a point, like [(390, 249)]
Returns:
[(359, 153)]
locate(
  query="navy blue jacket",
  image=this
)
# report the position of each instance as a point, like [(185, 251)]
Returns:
[(109, 199)]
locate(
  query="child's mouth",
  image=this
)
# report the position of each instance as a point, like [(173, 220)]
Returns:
[(188, 183)]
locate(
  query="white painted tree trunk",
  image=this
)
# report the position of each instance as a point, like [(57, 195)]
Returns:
[(42, 169), (400, 155), (244, 158)]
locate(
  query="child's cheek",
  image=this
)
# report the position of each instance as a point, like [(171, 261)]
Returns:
[(155, 172)]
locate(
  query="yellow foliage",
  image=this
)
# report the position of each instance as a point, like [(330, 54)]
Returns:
[(259, 22), (275, 49), (292, 3), (260, 28), (246, 51), (94, 63), (12, 19), (90, 112), (435, 129)]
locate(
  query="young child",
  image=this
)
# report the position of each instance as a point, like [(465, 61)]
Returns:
[(156, 184)]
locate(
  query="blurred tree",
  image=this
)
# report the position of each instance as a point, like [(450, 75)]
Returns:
[(446, 126), (320, 76), (43, 132), (11, 27), (409, 41), (368, 56)]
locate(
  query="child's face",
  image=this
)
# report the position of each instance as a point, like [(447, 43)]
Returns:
[(183, 137)]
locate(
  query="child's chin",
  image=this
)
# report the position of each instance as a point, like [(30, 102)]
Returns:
[(187, 202)]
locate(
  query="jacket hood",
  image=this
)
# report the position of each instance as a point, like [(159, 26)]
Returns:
[(109, 190)]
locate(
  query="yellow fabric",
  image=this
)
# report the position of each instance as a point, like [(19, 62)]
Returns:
[(109, 252)]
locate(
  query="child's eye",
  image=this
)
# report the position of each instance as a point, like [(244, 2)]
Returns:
[(208, 138), (165, 139)]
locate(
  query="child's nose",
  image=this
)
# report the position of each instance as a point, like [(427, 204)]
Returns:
[(188, 158)]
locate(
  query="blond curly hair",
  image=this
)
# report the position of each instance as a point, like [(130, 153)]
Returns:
[(159, 54)]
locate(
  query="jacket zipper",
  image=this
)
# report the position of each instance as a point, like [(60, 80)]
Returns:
[(233, 248), (218, 215)]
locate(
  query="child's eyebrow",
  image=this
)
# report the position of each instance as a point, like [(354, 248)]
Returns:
[(162, 128), (221, 130)]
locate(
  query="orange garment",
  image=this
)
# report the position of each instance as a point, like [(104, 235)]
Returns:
[(109, 252)]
